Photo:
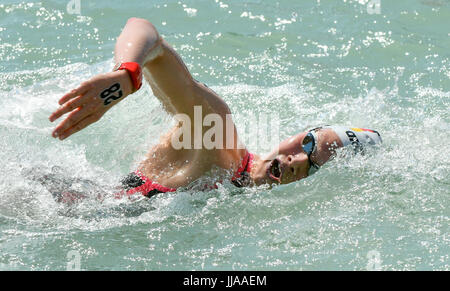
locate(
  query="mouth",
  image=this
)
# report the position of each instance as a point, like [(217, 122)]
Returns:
[(274, 170)]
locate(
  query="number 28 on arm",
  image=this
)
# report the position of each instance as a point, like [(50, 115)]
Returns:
[(92, 99)]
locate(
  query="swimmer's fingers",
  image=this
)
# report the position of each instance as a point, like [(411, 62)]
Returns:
[(67, 107), (71, 100), (73, 118), (90, 101), (76, 115), (79, 126), (75, 92)]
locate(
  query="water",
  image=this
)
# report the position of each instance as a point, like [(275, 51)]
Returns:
[(311, 62)]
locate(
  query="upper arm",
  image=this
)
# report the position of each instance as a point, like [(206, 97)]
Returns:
[(175, 87)]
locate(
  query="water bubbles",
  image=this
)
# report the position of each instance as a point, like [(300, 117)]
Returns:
[(191, 12), (392, 200)]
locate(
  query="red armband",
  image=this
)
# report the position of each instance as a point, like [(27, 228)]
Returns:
[(135, 71)]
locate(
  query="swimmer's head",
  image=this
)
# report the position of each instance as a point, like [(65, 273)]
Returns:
[(295, 158), (302, 154)]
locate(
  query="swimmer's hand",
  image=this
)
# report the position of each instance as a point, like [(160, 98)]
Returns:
[(90, 101)]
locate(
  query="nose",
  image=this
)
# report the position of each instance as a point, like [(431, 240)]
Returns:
[(296, 163)]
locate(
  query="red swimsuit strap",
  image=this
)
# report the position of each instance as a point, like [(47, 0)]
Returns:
[(246, 166), (148, 186)]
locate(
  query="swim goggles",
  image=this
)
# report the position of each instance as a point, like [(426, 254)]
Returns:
[(309, 145)]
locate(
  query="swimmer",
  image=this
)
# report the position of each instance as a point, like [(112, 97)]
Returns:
[(141, 52)]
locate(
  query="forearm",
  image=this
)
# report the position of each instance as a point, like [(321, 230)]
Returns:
[(139, 42)]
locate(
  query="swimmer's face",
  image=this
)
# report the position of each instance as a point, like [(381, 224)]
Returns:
[(287, 163)]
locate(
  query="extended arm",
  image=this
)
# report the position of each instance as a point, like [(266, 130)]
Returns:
[(168, 76), (163, 68)]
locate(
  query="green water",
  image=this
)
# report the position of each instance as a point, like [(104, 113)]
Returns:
[(310, 62)]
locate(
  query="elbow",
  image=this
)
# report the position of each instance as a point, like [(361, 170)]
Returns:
[(136, 19), (142, 25), (141, 22), (146, 37)]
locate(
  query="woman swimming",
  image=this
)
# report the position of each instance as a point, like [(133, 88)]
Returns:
[(141, 52)]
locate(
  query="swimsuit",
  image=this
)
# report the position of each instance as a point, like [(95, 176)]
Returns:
[(242, 176), (136, 182)]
